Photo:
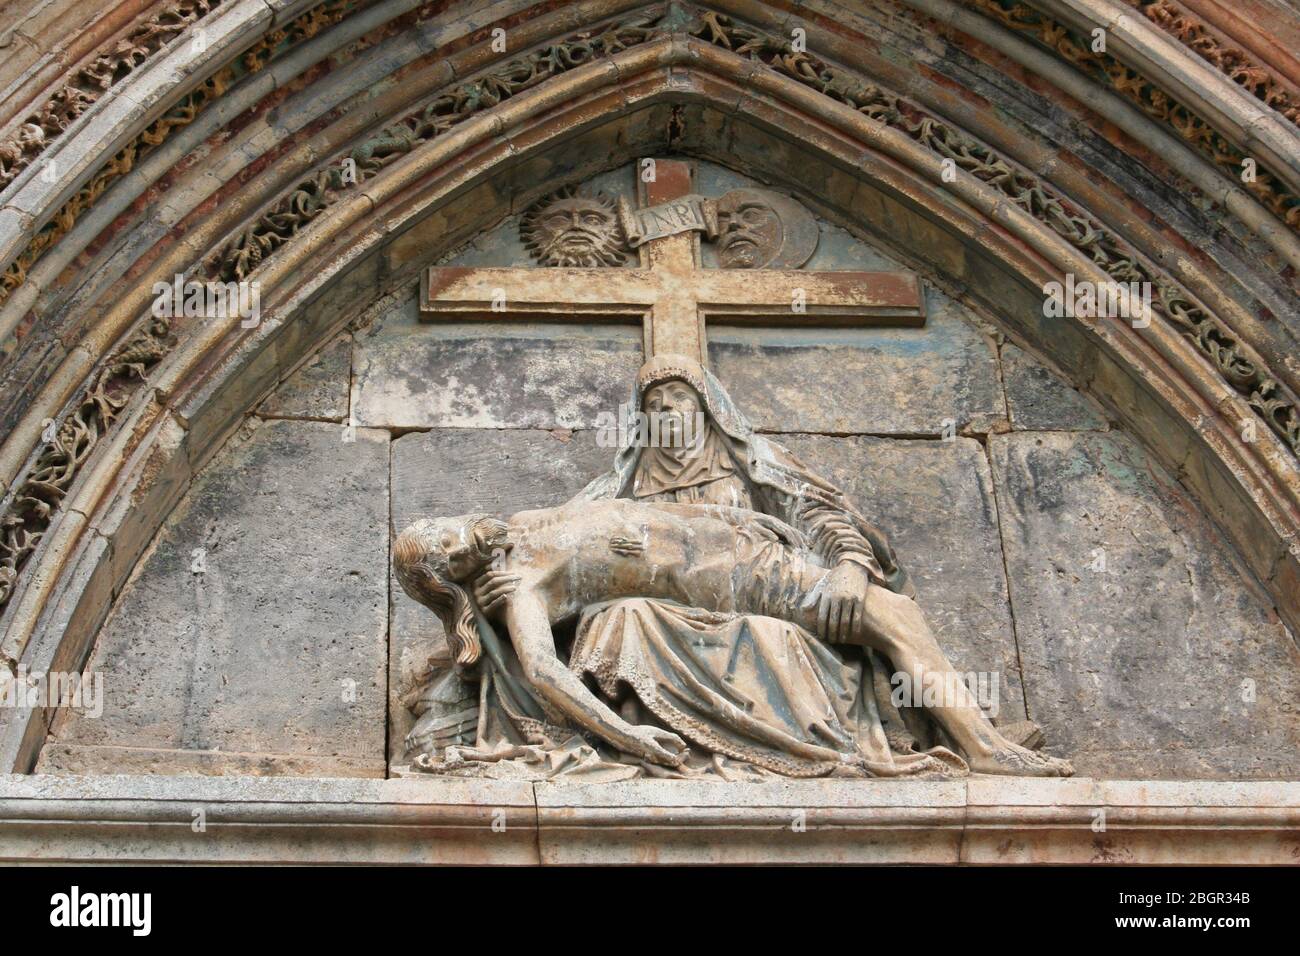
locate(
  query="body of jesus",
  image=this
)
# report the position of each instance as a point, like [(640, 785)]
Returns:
[(716, 558)]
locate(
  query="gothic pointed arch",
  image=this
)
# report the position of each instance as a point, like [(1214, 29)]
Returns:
[(326, 152)]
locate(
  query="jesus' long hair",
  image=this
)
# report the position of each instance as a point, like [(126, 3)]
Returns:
[(421, 567)]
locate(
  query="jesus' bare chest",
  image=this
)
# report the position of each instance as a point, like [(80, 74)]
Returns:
[(614, 549)]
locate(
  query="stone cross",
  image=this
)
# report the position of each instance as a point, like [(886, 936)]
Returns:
[(670, 294)]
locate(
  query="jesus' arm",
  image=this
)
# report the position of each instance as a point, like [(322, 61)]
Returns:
[(534, 643)]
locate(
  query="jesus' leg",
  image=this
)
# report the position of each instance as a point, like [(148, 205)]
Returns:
[(894, 625), (778, 581)]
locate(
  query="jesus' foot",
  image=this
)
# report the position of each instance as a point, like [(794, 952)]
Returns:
[(1016, 761)]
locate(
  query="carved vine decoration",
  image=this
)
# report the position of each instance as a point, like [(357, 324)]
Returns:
[(39, 496), (89, 83), (289, 215), (28, 514), (1153, 101), (1235, 63), (182, 114)]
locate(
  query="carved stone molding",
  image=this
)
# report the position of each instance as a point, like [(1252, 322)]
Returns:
[(991, 821), (42, 492), (92, 81), (182, 114), (293, 211), (1267, 187), (1235, 63)]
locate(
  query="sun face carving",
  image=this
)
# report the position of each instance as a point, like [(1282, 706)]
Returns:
[(573, 227)]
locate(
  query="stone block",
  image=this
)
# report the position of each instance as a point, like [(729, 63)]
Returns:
[(1286, 582), (934, 499), (256, 626), (1144, 413), (1148, 650), (1039, 400), (665, 821), (885, 381), (317, 390), (213, 409), (490, 375)]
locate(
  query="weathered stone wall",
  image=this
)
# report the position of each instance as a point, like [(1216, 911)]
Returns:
[(253, 638), (1047, 546)]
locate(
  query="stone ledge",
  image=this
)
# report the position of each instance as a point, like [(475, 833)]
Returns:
[(981, 820)]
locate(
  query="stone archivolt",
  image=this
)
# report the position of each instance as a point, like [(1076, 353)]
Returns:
[(305, 201), (182, 114), (1154, 101), (281, 222), (36, 500), (278, 225), (22, 147), (1231, 60)]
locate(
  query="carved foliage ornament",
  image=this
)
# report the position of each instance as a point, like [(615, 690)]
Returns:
[(292, 212), (182, 114), (90, 82), (1263, 393), (66, 449), (1232, 61), (1152, 100)]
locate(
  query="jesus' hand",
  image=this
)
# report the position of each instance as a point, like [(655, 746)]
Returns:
[(840, 611), (658, 745)]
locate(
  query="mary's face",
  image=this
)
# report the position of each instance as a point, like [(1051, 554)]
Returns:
[(673, 398), (676, 404)]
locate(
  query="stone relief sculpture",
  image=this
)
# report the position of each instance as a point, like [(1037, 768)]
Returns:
[(574, 228), (753, 228), (761, 229), (732, 613)]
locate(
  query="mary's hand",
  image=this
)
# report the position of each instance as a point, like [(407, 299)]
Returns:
[(492, 587), (779, 530)]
